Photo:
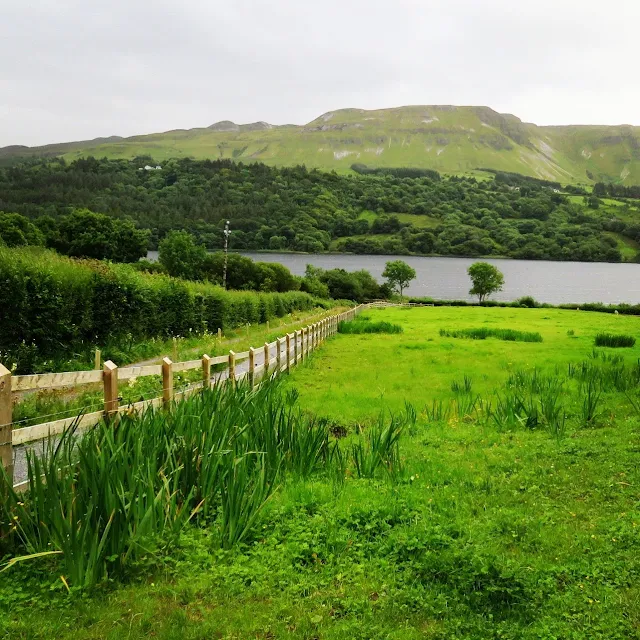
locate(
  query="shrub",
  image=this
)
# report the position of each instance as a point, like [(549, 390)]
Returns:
[(614, 340), (484, 332), (527, 301)]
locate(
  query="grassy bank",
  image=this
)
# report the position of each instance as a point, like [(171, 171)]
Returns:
[(454, 525)]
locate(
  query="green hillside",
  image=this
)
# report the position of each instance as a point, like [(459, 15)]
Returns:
[(449, 139)]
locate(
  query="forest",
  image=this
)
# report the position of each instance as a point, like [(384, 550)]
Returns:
[(296, 209)]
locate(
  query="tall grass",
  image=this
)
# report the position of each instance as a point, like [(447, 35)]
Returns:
[(379, 448), (614, 340), (358, 326), (462, 387), (129, 488), (482, 333)]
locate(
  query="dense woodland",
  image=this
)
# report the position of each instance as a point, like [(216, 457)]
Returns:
[(300, 210)]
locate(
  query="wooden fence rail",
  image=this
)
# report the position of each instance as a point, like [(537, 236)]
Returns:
[(292, 348)]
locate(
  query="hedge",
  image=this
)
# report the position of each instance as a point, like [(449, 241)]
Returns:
[(528, 302), (51, 306)]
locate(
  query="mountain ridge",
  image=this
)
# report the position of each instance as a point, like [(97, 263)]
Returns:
[(447, 138)]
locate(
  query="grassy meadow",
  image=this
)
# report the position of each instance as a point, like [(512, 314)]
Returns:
[(468, 517), (355, 377)]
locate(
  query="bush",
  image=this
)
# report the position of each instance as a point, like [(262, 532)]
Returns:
[(613, 340), (527, 301)]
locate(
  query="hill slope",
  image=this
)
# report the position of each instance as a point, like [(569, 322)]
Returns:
[(449, 139)]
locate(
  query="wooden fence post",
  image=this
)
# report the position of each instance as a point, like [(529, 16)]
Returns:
[(6, 418), (167, 383), (279, 355), (110, 384), (219, 334), (267, 357), (175, 350), (206, 372), (295, 348), (98, 360), (288, 353), (232, 368), (305, 351), (252, 365)]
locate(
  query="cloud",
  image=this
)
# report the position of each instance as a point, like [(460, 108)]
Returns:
[(76, 70)]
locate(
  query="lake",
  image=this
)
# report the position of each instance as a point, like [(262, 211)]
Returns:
[(447, 279)]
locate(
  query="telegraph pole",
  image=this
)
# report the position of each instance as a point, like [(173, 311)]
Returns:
[(226, 253)]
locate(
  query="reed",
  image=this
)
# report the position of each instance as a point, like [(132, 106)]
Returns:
[(378, 448), (614, 340), (130, 488), (358, 326), (482, 333)]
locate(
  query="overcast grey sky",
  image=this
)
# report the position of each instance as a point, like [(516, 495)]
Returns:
[(78, 69)]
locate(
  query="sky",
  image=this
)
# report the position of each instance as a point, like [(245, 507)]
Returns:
[(80, 69)]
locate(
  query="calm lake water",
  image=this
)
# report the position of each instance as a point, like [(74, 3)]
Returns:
[(446, 278)]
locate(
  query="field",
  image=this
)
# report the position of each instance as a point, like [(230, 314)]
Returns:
[(420, 366), (478, 529)]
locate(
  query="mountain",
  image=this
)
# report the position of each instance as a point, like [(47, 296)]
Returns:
[(449, 139)]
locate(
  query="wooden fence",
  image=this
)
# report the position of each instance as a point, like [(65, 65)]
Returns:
[(289, 351)]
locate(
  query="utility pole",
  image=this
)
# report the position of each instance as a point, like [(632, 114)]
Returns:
[(226, 252)]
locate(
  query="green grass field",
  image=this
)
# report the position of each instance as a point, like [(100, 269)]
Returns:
[(419, 366), (478, 531)]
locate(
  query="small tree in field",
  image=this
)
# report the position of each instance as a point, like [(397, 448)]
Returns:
[(485, 278), (399, 274)]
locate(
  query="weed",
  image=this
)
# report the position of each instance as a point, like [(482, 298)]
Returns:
[(592, 392), (462, 387), (379, 448), (438, 411)]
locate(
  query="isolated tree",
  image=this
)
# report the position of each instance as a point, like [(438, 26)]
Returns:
[(485, 278), (399, 274)]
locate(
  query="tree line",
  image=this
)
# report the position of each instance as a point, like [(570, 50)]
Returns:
[(296, 209), (602, 190)]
